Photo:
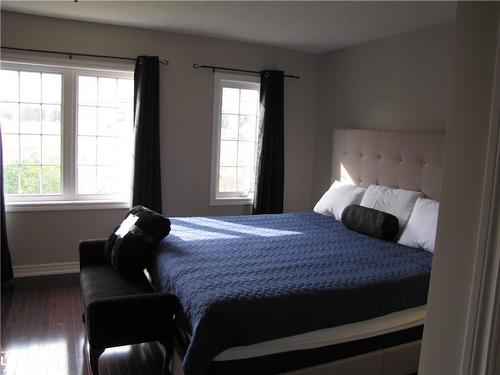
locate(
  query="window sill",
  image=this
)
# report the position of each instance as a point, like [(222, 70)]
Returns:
[(236, 201), (64, 206)]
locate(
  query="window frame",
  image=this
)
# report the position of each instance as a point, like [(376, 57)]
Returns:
[(68, 199), (239, 81)]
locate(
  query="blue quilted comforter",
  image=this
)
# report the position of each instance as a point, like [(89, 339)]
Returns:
[(246, 279)]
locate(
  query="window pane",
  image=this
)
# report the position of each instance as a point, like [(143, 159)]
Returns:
[(87, 90), (87, 120), (248, 127), (31, 131), (106, 179), (228, 153), (51, 88), (227, 179), (30, 87), (86, 150), (249, 102), (30, 149), (124, 121), (51, 149), (245, 179), (51, 179), (123, 180), (9, 85), (51, 119), (230, 100), (106, 151), (30, 179), (86, 179), (246, 153), (10, 148), (229, 127), (126, 90), (107, 90), (106, 121), (31, 118), (11, 179), (237, 142), (108, 154), (9, 117)]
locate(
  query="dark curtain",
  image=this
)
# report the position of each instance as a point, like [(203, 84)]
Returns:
[(268, 198), (7, 273), (147, 171)]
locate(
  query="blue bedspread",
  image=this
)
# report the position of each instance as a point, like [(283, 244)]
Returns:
[(247, 279)]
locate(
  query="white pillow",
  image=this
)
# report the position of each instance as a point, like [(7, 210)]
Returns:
[(397, 202), (339, 196), (421, 228)]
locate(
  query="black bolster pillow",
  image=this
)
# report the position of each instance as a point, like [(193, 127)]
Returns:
[(371, 222)]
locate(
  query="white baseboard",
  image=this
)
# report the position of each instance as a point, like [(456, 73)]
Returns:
[(46, 269)]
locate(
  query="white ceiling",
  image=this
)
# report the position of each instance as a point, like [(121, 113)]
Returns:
[(302, 25)]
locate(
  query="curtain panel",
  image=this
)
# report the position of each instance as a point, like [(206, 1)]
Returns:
[(146, 188), (6, 265), (269, 185)]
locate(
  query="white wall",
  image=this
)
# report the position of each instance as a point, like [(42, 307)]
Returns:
[(185, 121), (467, 132), (396, 83)]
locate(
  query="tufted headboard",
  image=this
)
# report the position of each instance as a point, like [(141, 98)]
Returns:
[(406, 160)]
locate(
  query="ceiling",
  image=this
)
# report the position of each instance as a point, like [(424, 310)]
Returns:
[(302, 25)]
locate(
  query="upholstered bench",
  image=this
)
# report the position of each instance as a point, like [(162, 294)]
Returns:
[(121, 311)]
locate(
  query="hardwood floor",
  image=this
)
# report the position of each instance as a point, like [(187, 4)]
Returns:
[(42, 333)]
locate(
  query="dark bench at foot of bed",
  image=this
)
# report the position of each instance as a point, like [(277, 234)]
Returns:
[(121, 311)]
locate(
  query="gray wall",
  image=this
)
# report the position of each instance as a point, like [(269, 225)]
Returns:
[(396, 83), (471, 114), (186, 124)]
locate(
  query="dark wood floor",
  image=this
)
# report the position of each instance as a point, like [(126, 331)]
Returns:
[(42, 333)]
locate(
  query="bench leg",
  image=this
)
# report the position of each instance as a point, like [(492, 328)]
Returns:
[(168, 356), (94, 355)]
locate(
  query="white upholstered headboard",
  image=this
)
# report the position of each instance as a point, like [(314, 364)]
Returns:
[(406, 160)]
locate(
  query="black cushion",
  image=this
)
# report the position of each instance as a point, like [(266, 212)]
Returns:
[(123, 311), (108, 246), (130, 246), (371, 222), (100, 282)]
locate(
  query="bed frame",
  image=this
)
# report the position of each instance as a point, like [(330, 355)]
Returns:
[(396, 360), (405, 160)]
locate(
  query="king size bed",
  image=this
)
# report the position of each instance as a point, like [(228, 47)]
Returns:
[(300, 291)]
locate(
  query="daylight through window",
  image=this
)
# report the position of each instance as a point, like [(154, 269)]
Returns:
[(235, 128), (67, 133)]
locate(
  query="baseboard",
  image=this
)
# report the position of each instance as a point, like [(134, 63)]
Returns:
[(46, 269)]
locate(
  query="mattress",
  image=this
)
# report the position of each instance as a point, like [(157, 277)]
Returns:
[(244, 280), (397, 321)]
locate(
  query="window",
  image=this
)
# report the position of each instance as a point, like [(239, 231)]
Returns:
[(236, 116), (67, 134), (30, 104)]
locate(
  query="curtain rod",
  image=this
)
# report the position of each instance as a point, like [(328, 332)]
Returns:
[(214, 68), (71, 54)]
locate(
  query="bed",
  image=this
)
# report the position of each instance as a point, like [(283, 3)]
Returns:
[(275, 293)]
